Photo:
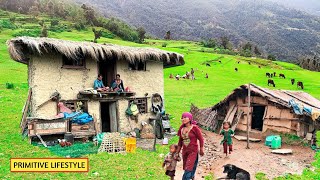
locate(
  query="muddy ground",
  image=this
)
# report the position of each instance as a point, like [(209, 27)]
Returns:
[(256, 159)]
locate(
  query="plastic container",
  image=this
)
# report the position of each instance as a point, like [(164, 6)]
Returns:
[(131, 145), (269, 140), (165, 141), (69, 137), (276, 142)]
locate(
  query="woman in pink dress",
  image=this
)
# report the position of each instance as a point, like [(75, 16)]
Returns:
[(189, 134)]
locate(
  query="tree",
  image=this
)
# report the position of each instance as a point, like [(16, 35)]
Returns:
[(44, 31), (141, 34), (97, 34), (257, 51), (34, 11), (271, 57), (168, 35), (89, 14), (210, 43), (225, 43), (50, 8)]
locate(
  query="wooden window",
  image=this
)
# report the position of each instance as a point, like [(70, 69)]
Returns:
[(138, 66), (141, 103), (76, 105), (73, 63)]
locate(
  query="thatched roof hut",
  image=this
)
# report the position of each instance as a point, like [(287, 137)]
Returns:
[(20, 47)]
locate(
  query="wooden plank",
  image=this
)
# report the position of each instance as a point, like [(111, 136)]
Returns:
[(243, 138), (236, 120), (24, 122), (282, 151), (45, 145)]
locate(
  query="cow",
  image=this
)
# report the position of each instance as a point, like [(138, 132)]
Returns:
[(282, 75), (270, 81), (300, 84), (268, 75), (236, 69), (292, 81), (207, 64)]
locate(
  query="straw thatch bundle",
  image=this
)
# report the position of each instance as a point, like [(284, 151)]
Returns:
[(20, 47)]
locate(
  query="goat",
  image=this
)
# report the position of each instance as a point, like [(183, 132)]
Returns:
[(292, 81), (300, 84), (268, 75), (282, 75), (270, 81)]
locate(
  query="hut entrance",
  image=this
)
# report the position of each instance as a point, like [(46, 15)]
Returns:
[(108, 113), (257, 117), (107, 69)]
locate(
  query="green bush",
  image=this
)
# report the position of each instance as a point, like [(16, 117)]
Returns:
[(7, 24), (80, 26), (225, 51), (9, 85), (210, 43), (164, 44), (107, 35), (28, 32), (59, 29)]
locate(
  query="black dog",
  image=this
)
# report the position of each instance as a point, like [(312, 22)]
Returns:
[(233, 172)]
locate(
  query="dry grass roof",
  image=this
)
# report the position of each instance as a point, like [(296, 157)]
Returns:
[(280, 97), (21, 47)]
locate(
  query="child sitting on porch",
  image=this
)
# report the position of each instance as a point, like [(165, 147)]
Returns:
[(170, 161), (226, 132)]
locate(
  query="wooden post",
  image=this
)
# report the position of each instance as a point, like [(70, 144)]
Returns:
[(248, 115)]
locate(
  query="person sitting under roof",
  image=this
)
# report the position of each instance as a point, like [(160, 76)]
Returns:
[(117, 87), (121, 82), (98, 85)]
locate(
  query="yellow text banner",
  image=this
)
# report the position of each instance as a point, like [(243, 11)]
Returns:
[(49, 164)]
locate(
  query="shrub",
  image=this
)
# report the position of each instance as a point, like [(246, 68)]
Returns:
[(9, 85), (54, 22), (28, 32), (107, 35), (80, 26), (210, 43), (7, 24), (164, 44)]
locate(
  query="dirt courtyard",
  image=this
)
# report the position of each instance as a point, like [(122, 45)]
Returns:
[(256, 159)]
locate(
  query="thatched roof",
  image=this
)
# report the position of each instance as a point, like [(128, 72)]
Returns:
[(280, 97), (21, 47)]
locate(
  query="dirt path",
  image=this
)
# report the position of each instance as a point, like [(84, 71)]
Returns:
[(256, 159)]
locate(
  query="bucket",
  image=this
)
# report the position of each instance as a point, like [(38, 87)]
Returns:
[(68, 136), (276, 142), (165, 141)]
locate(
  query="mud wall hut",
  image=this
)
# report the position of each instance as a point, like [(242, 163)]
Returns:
[(69, 67)]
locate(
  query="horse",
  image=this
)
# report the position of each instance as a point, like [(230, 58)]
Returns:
[(299, 84), (292, 81), (270, 81), (282, 75), (268, 75)]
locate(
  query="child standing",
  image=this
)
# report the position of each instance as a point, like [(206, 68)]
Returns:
[(226, 132), (170, 161)]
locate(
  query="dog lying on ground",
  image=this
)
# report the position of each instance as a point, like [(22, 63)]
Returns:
[(233, 172)]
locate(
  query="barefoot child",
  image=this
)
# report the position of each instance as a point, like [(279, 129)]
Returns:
[(170, 161), (226, 132)]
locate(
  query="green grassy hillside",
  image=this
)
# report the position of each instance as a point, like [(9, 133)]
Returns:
[(178, 97)]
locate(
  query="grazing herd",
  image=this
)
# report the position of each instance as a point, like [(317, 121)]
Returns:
[(271, 82)]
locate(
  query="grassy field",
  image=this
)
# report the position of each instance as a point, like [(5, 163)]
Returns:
[(178, 97)]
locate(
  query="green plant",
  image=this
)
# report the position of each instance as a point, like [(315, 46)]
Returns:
[(164, 44), (28, 32), (7, 24), (292, 139), (9, 85), (261, 176)]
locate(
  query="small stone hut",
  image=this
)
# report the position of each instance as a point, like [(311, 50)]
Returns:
[(270, 112), (69, 67)]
